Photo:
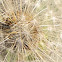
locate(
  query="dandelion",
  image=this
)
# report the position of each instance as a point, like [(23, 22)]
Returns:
[(27, 33)]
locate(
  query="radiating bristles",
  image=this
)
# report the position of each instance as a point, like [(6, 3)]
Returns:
[(30, 31)]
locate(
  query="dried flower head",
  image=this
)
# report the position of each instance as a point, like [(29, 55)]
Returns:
[(29, 31)]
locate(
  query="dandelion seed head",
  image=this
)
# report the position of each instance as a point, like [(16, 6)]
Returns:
[(27, 32)]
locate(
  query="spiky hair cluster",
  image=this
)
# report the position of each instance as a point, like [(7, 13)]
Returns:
[(30, 31)]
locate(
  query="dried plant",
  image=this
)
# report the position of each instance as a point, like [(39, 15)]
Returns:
[(30, 31)]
